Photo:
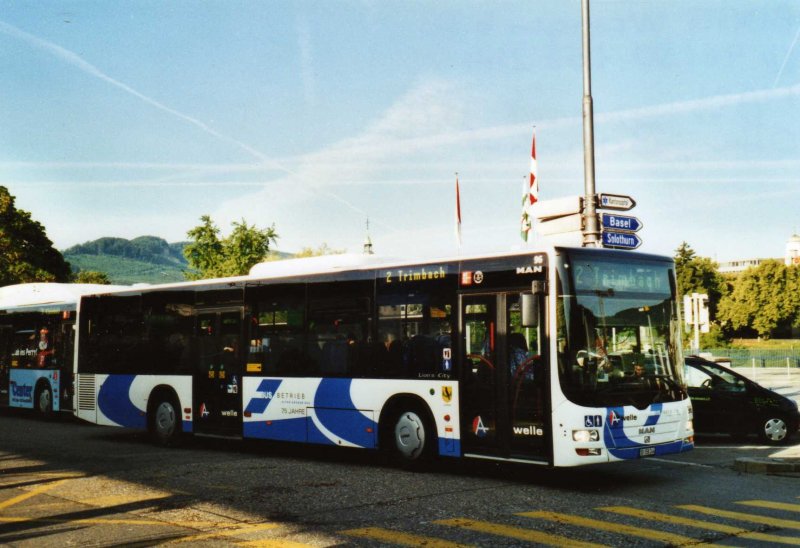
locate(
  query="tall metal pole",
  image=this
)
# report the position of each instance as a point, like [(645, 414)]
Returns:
[(591, 230)]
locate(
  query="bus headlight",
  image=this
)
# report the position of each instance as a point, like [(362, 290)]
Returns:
[(690, 425), (583, 436)]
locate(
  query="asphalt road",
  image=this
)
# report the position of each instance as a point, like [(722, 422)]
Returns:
[(66, 483)]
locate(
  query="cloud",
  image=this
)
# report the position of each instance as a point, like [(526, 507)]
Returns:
[(431, 106)]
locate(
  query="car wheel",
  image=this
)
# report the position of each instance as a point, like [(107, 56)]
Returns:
[(774, 430)]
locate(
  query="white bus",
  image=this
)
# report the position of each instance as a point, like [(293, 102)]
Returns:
[(558, 357), (36, 344)]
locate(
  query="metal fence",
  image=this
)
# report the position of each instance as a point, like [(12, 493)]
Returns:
[(740, 357)]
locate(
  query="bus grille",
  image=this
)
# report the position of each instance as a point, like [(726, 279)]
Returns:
[(86, 385)]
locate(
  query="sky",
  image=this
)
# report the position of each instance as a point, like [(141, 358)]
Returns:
[(136, 118)]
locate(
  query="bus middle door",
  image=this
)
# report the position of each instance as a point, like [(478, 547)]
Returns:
[(218, 372), (484, 417)]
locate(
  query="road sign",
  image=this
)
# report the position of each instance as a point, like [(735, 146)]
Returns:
[(619, 202), (627, 223), (621, 240)]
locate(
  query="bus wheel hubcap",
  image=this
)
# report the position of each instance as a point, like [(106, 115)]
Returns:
[(44, 401), (409, 434), (165, 418)]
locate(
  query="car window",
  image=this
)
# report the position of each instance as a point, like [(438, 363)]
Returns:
[(712, 376), (696, 377)]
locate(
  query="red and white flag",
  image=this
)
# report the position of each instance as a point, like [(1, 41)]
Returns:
[(530, 193), (458, 213)]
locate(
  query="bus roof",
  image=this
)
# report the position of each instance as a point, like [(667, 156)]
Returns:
[(23, 295), (339, 263)]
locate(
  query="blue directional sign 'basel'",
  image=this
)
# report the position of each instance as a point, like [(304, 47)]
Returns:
[(621, 222), (621, 240)]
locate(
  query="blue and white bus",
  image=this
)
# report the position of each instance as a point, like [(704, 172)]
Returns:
[(36, 344), (558, 357)]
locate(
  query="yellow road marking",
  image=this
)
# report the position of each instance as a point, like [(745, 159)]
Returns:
[(226, 533), (397, 537), (120, 521), (708, 525), (273, 543), (771, 505), (753, 518), (519, 533), (29, 494), (669, 538)]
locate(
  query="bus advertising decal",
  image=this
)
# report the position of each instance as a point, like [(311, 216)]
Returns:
[(22, 384)]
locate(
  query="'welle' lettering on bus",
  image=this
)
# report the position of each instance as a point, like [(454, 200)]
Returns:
[(421, 275)]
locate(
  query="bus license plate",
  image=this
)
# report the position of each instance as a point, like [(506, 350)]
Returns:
[(647, 451)]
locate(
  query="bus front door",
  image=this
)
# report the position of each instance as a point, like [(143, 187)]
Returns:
[(217, 386), (503, 391)]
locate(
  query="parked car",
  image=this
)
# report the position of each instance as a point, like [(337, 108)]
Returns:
[(726, 402)]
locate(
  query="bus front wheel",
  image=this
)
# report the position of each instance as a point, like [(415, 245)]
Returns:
[(165, 424), (410, 439)]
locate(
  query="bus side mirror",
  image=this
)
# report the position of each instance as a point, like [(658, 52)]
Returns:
[(530, 304), (530, 310)]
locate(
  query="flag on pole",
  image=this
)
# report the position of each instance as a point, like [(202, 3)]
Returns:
[(530, 193), (458, 213)]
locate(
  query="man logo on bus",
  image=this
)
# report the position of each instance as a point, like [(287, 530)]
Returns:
[(478, 428)]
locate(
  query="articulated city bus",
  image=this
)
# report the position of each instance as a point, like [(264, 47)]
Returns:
[(558, 357), (36, 345)]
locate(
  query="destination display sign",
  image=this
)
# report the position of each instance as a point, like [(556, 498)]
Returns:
[(612, 221)]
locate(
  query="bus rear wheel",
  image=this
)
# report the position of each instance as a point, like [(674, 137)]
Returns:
[(164, 422), (44, 400)]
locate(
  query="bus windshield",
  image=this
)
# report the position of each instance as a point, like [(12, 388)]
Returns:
[(618, 331)]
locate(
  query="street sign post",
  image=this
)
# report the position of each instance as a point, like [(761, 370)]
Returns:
[(612, 221), (621, 240), (618, 202)]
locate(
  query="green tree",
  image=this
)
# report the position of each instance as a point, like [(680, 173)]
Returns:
[(699, 275), (26, 253), (91, 277), (213, 257), (323, 249), (765, 298)]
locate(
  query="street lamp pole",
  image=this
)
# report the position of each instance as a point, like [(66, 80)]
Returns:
[(591, 230)]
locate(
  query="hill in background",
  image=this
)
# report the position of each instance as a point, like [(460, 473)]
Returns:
[(146, 259)]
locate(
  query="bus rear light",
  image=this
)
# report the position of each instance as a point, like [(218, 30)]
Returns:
[(247, 414), (187, 410), (584, 452), (447, 418), (369, 430), (448, 429)]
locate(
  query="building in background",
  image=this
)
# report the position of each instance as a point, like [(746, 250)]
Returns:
[(791, 257)]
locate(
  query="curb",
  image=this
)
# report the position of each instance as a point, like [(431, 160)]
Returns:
[(767, 466)]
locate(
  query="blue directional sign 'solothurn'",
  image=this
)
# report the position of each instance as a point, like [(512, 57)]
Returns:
[(612, 221), (621, 240)]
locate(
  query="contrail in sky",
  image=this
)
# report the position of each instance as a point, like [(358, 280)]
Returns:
[(785, 59), (83, 65)]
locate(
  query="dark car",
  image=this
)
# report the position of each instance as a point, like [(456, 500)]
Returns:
[(726, 402)]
